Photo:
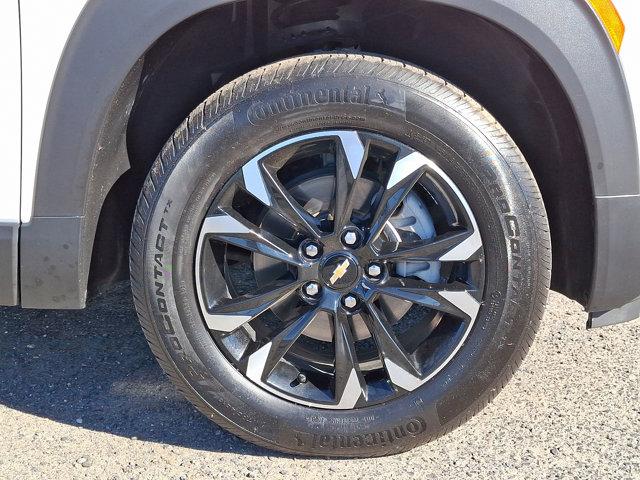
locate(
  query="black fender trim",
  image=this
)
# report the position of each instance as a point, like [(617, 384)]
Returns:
[(53, 275), (9, 264), (83, 150), (50, 277), (626, 313), (617, 268)]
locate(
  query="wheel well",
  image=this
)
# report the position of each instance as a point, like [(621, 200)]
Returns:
[(491, 64)]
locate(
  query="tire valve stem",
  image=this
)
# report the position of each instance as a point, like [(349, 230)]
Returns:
[(302, 378)]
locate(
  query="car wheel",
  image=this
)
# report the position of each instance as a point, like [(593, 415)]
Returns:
[(340, 255)]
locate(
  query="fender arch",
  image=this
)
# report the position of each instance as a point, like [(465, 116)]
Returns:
[(83, 147)]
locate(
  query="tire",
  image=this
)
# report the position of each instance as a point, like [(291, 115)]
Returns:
[(405, 109)]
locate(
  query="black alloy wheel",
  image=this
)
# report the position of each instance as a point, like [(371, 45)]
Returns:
[(325, 242)]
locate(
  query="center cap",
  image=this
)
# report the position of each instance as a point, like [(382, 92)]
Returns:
[(339, 272)]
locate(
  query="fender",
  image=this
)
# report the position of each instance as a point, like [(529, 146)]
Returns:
[(83, 148)]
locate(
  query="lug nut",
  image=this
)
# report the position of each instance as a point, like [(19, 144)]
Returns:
[(311, 250), (350, 238), (312, 289), (374, 270), (349, 301)]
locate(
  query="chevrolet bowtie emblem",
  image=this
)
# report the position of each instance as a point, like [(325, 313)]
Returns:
[(339, 272)]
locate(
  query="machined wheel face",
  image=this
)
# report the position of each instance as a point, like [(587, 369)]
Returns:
[(339, 269)]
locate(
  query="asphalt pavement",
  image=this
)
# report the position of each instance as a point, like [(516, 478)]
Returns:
[(81, 396)]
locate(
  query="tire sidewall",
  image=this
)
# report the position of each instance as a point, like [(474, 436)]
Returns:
[(408, 115)]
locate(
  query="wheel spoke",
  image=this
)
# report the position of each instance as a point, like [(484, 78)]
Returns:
[(407, 170), (262, 182), (349, 384), (400, 368), (263, 361), (452, 247), (230, 314), (289, 208), (453, 298), (228, 226), (350, 160)]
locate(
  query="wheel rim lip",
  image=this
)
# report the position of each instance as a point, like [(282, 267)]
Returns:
[(361, 261)]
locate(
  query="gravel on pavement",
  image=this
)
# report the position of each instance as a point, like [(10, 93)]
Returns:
[(81, 396)]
